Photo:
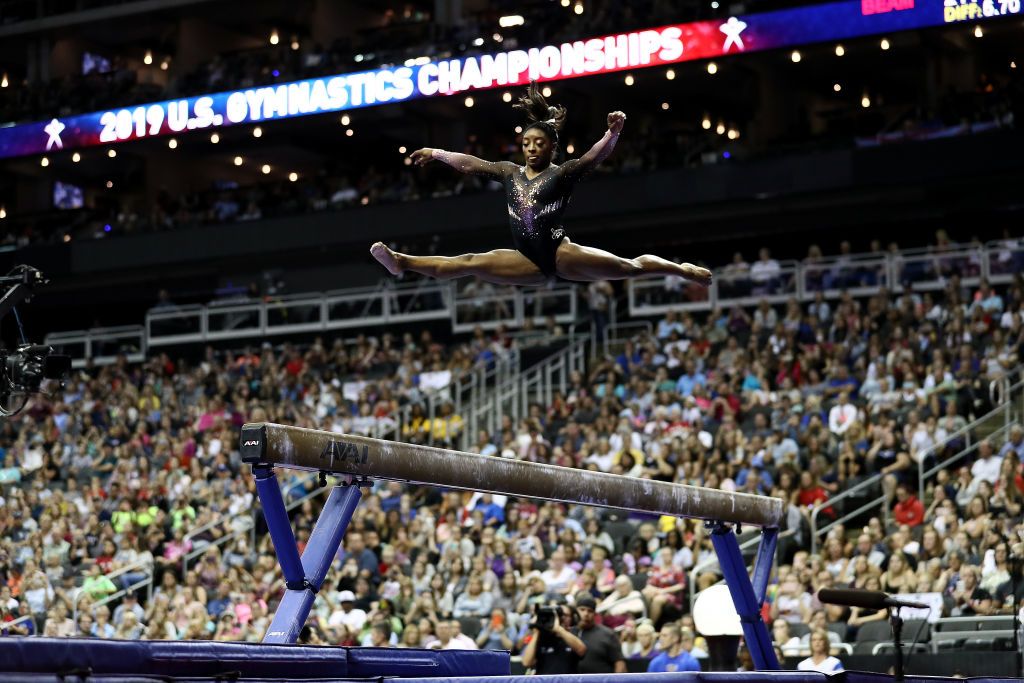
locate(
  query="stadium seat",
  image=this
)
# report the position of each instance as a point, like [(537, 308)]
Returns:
[(839, 628), (471, 626), (874, 632), (799, 630)]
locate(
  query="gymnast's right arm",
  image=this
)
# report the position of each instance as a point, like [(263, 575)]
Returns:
[(464, 163)]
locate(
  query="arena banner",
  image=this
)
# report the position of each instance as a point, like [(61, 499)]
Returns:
[(661, 46)]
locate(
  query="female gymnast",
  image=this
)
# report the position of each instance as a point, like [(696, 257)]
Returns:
[(537, 195)]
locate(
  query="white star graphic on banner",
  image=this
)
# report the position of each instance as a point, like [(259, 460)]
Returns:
[(732, 30), (54, 129)]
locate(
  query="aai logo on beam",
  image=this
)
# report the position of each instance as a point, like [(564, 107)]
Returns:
[(341, 452)]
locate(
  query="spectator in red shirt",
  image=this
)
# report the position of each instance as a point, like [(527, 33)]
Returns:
[(908, 509)]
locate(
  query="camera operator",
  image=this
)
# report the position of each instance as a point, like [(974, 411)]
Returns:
[(554, 647)]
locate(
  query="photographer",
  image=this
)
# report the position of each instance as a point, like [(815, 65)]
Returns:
[(553, 647)]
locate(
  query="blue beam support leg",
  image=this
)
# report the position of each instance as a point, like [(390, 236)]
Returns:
[(316, 561), (747, 601), (278, 524)]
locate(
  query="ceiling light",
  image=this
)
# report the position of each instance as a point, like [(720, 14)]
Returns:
[(885, 44), (720, 129), (293, 176), (172, 143), (345, 120), (837, 87), (349, 132), (670, 74), (3, 212), (519, 129), (295, 43), (664, 106), (511, 20), (706, 123), (865, 101), (469, 102), (164, 64), (3, 81), (978, 33), (506, 97), (238, 161), (497, 37), (796, 57), (712, 68), (44, 162), (274, 38), (401, 150), (111, 153), (265, 169), (733, 134), (565, 3), (110, 184), (578, 9), (257, 132), (840, 50), (629, 79), (570, 148), (1013, 64), (76, 157), (478, 42), (148, 59), (215, 138)]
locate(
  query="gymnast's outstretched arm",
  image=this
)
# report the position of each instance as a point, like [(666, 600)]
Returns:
[(465, 163), (601, 150)]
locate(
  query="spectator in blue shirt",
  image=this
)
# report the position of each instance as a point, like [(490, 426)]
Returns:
[(493, 513), (674, 657), (690, 378)]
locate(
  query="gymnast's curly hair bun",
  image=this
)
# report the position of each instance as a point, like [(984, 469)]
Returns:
[(538, 110)]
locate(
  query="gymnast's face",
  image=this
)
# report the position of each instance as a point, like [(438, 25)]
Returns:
[(537, 148)]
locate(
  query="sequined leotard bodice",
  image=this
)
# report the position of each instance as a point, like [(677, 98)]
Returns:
[(535, 208)]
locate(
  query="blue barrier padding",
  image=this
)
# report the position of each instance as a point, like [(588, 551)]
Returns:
[(687, 677), (250, 660)]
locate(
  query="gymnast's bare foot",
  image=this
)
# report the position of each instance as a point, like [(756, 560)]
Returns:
[(701, 276), (386, 257)]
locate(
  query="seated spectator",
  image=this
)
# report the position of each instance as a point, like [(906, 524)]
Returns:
[(673, 657), (622, 604), (820, 659)]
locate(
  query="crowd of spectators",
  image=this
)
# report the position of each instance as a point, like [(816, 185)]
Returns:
[(799, 402)]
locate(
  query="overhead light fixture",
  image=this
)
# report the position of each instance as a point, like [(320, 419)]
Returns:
[(570, 148), (714, 4), (519, 129), (257, 132), (885, 44), (469, 102), (978, 33), (295, 43), (670, 74), (76, 157), (349, 132), (664, 106), (720, 129), (238, 161), (840, 50), (111, 153), (497, 37), (566, 3), (110, 184), (511, 20), (578, 9), (706, 123), (837, 87), (506, 97), (3, 212), (401, 150), (265, 169), (345, 120), (148, 59), (274, 38), (478, 42), (712, 68), (293, 176), (865, 101), (733, 134), (546, 91), (44, 162), (215, 138), (3, 81), (1013, 64), (629, 79), (172, 143), (796, 56)]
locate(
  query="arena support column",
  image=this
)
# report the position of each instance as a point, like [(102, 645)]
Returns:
[(748, 592)]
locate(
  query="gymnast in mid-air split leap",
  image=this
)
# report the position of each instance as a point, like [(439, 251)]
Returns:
[(538, 194)]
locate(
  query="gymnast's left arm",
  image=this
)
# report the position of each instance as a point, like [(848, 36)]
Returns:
[(601, 150)]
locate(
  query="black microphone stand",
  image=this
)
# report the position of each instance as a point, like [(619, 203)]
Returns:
[(897, 631)]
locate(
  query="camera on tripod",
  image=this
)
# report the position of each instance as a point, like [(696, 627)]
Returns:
[(23, 371), (545, 616)]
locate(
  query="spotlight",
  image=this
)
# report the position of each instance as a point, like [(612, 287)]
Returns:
[(408, 161), (546, 91), (629, 79), (257, 132), (733, 134), (570, 148), (796, 57), (519, 129), (44, 162), (506, 97), (885, 44), (978, 33), (706, 123), (865, 101), (1013, 64), (714, 4), (578, 9), (511, 20), (837, 87), (497, 37), (720, 129), (148, 59), (670, 74), (164, 64), (274, 38), (110, 184), (238, 161), (712, 68), (565, 3), (401, 150), (345, 120), (215, 138), (265, 169), (172, 143), (664, 106), (293, 176), (469, 101), (840, 50), (364, 201), (3, 212), (349, 132), (76, 157), (295, 43), (111, 153), (3, 81)]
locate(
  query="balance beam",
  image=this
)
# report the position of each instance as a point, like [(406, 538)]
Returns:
[(265, 443)]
